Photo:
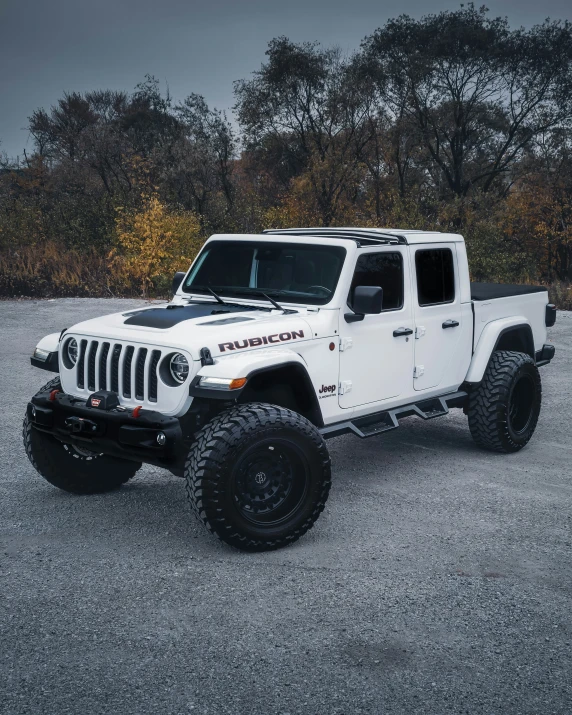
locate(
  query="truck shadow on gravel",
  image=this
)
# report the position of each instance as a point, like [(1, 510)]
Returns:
[(153, 504), (152, 507)]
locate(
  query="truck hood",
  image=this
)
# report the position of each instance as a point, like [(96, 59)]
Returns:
[(190, 327)]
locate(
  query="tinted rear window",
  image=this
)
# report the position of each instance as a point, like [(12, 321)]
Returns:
[(435, 276)]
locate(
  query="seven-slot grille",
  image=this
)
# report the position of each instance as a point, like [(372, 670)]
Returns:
[(129, 370)]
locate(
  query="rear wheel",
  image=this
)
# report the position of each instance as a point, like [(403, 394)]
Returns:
[(73, 468), (504, 409), (258, 476)]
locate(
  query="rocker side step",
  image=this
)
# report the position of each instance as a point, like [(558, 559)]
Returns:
[(381, 422)]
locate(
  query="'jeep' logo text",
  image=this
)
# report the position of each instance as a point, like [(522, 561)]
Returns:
[(265, 340)]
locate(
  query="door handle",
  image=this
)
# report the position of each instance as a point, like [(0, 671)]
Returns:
[(400, 332), (450, 324)]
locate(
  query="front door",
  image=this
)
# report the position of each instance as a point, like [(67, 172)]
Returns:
[(438, 315), (376, 357)]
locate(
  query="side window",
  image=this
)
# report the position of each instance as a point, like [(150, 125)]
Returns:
[(435, 276), (380, 269)]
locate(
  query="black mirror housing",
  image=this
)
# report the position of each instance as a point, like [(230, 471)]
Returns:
[(368, 300), (177, 280)]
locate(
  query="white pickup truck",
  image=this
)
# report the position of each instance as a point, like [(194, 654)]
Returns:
[(273, 342)]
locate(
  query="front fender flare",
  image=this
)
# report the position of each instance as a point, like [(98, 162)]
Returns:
[(241, 365), (51, 344), (249, 365)]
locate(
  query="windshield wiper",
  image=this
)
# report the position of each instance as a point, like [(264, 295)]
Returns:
[(257, 291), (271, 300), (211, 291), (219, 299)]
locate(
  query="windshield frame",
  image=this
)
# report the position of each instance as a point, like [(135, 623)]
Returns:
[(280, 295)]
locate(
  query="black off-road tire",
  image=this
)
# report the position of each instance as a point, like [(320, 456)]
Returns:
[(504, 409), (247, 453), (74, 470)]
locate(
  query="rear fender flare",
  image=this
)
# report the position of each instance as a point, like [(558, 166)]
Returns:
[(491, 338)]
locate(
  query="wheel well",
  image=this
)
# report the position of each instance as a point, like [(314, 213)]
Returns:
[(518, 338), (286, 386)]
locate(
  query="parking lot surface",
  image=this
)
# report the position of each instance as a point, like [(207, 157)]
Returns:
[(438, 579)]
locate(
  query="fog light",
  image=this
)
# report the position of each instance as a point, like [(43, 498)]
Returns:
[(161, 439), (33, 412)]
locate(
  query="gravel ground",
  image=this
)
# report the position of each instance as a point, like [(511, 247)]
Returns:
[(437, 580)]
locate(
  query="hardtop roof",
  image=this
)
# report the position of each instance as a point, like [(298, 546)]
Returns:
[(371, 236), (363, 237)]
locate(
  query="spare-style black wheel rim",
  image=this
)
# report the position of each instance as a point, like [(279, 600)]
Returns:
[(269, 482), (521, 404)]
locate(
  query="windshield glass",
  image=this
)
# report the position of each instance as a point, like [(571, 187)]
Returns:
[(289, 272)]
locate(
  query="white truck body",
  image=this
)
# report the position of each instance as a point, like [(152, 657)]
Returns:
[(367, 371), (272, 343)]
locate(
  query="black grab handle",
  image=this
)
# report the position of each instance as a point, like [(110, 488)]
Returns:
[(402, 331), (450, 324)]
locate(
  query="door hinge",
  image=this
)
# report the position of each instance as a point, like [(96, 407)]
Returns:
[(345, 387), (418, 370), (346, 344), (419, 332)]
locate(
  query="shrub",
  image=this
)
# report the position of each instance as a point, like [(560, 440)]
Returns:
[(154, 242)]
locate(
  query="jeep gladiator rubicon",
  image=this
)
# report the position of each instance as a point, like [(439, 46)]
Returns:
[(272, 343)]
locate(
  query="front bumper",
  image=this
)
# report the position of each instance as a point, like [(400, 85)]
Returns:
[(119, 432)]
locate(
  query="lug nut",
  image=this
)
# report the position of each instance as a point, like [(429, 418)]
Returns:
[(161, 439)]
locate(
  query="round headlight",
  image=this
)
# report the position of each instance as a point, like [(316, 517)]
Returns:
[(179, 367), (72, 350)]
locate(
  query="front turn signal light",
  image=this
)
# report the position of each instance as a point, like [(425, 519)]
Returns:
[(40, 354), (223, 383)]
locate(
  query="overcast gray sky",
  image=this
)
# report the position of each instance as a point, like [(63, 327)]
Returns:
[(48, 47)]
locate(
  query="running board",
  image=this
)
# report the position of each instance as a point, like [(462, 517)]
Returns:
[(381, 422)]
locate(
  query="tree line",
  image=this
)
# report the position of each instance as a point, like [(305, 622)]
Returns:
[(454, 122)]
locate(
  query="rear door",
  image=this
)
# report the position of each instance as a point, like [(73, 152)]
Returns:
[(438, 314), (375, 364)]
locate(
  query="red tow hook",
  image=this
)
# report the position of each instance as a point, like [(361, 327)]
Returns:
[(136, 411), (53, 394)]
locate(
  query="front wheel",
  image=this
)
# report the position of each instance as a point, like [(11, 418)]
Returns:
[(504, 408), (258, 476)]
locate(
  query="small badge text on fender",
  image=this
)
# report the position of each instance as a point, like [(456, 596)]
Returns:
[(326, 391)]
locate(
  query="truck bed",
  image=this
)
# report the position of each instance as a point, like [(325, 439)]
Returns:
[(494, 301), (490, 291)]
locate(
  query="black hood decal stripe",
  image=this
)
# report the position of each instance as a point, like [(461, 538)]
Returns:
[(169, 316)]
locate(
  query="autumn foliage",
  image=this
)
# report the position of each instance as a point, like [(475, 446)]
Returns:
[(455, 122), (154, 242)]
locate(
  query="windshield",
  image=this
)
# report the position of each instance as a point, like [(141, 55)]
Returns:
[(289, 272)]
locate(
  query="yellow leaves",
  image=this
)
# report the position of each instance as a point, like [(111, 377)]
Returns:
[(154, 242)]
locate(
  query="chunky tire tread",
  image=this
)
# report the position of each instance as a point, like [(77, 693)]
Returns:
[(488, 404), (70, 471), (214, 446)]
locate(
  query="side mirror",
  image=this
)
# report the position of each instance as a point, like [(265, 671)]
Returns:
[(177, 280), (367, 300)]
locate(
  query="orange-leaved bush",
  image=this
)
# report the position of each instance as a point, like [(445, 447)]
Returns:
[(154, 242)]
